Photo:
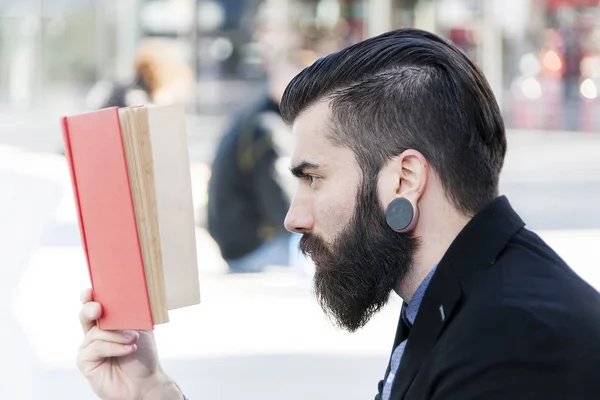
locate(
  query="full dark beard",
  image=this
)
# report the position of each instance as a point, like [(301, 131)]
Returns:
[(356, 274)]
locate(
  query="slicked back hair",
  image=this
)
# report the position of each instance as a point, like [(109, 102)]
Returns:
[(410, 89)]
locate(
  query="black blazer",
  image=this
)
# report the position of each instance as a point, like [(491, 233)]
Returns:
[(517, 322)]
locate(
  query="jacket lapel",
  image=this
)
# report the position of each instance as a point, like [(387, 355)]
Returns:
[(475, 248)]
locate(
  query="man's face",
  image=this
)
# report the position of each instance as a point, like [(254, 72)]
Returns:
[(358, 258)]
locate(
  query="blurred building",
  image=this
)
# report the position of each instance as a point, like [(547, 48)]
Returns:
[(540, 56)]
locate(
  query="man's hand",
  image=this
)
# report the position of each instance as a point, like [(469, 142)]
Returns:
[(121, 365)]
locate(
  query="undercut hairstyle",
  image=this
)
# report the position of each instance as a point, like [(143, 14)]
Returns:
[(410, 89)]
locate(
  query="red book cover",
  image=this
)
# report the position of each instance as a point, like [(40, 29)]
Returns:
[(96, 158)]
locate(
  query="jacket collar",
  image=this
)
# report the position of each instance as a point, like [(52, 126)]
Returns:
[(475, 248)]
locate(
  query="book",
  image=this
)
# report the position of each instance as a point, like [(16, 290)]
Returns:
[(131, 180)]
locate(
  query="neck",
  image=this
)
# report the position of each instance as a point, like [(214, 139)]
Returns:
[(436, 232)]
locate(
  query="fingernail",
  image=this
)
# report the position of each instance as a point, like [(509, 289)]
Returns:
[(130, 334)]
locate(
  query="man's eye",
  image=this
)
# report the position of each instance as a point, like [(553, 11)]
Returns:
[(312, 179)]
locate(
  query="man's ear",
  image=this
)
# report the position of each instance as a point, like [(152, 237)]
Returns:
[(405, 176), (415, 173)]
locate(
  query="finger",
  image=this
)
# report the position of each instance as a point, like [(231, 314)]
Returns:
[(119, 337), (86, 296), (99, 350), (88, 315)]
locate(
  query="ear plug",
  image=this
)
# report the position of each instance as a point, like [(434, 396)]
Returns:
[(402, 215)]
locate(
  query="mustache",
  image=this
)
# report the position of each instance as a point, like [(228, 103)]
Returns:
[(312, 245)]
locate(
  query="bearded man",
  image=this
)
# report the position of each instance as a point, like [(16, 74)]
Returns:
[(398, 148)]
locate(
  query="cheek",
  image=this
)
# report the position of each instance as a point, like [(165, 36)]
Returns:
[(334, 213)]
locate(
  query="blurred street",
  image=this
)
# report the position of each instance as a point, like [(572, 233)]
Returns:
[(259, 336), (253, 337)]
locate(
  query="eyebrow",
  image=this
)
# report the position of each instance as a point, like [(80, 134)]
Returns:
[(299, 170)]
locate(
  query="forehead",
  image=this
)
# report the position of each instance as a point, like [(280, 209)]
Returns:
[(310, 131)]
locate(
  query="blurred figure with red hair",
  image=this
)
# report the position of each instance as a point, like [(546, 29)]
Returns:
[(161, 76)]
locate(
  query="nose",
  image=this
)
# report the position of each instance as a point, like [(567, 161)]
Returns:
[(299, 218)]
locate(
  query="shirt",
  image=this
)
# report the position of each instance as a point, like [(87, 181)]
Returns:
[(409, 314)]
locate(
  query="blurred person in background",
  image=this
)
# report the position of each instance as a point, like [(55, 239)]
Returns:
[(571, 74), (398, 146), (161, 77), (247, 197)]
